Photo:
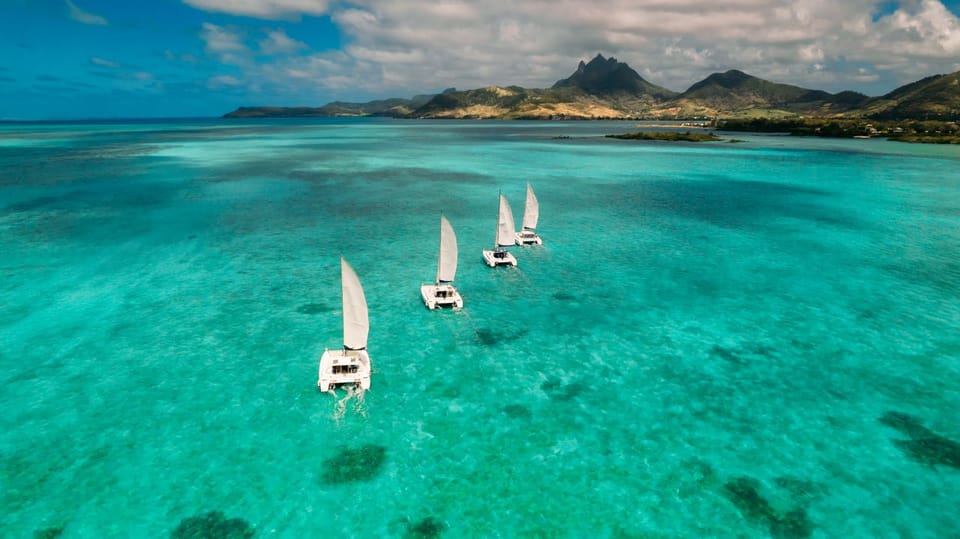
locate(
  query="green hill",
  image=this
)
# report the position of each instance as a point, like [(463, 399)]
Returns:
[(932, 98), (737, 91), (608, 88)]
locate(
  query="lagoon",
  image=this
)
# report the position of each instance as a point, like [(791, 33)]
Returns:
[(716, 339)]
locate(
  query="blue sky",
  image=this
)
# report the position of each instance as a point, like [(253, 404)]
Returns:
[(111, 58)]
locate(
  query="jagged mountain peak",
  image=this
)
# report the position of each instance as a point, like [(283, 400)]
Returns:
[(609, 76)]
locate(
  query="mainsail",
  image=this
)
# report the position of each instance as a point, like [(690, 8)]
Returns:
[(506, 229), (447, 265), (531, 211), (356, 324)]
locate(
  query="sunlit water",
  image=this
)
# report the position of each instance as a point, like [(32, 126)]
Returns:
[(718, 339)]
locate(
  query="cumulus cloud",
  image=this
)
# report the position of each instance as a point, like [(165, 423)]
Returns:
[(222, 81), (226, 44), (263, 9), (221, 40), (278, 42), (415, 46), (84, 17)]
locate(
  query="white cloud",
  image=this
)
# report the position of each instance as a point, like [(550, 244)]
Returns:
[(226, 45), (222, 81), (221, 40), (97, 61), (263, 9), (929, 30), (415, 46), (85, 17), (278, 42)]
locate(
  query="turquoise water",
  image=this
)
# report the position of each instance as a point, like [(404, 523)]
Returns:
[(728, 340)]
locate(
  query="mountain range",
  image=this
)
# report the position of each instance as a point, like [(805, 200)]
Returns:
[(608, 88)]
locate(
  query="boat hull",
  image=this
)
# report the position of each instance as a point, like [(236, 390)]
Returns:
[(344, 367), (437, 296), (499, 258), (528, 237)]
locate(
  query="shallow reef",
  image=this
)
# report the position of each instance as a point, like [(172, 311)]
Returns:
[(489, 337), (425, 529), (352, 465), (558, 391), (48, 533), (727, 355), (924, 445), (518, 411), (213, 525), (905, 423), (793, 524), (744, 492)]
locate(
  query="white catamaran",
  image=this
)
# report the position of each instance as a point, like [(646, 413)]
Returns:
[(531, 214), (350, 366), (442, 293), (506, 236)]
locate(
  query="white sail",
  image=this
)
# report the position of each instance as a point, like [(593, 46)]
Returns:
[(356, 324), (447, 265), (506, 228), (531, 211)]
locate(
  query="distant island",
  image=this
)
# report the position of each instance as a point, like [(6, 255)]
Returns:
[(605, 88), (670, 136)]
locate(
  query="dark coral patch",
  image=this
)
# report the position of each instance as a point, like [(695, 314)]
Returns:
[(906, 424), (489, 337), (517, 410), (744, 492), (559, 391), (727, 355), (571, 391), (924, 445), (48, 533), (313, 308), (353, 465), (425, 529), (212, 525), (934, 450), (793, 525)]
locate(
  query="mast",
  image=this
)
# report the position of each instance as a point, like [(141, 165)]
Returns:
[(440, 254), (496, 237)]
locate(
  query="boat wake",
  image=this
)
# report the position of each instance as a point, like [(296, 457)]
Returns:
[(354, 393)]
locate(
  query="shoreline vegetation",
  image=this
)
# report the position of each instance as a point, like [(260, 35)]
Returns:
[(916, 131), (670, 136)]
